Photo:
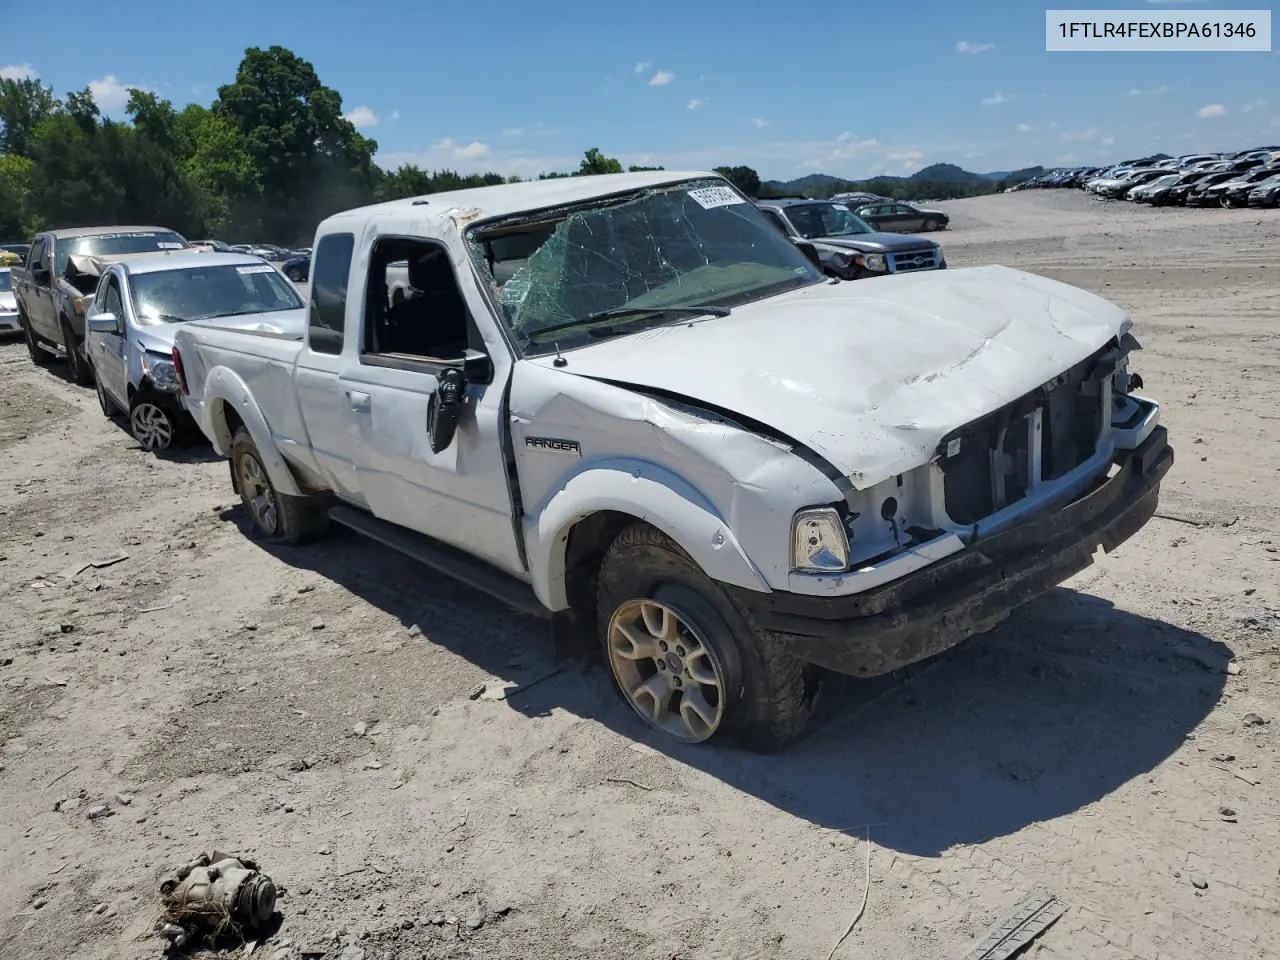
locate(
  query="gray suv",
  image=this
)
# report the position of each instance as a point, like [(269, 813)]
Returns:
[(849, 247)]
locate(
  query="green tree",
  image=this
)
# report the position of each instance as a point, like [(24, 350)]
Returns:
[(71, 183), (16, 220), (310, 160), (593, 161), (744, 178), (23, 104)]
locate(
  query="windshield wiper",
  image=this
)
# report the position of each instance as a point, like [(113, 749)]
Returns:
[(620, 312), (164, 317)]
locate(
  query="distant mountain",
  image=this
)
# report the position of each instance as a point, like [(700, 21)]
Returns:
[(956, 180)]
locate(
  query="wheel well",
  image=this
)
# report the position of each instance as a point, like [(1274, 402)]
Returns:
[(231, 419), (588, 540)]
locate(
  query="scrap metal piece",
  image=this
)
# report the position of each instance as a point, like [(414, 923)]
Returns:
[(1030, 918), (216, 894)]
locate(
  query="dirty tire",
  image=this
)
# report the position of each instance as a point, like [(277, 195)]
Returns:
[(79, 367), (768, 696), (275, 516), (930, 225), (151, 424), (39, 356)]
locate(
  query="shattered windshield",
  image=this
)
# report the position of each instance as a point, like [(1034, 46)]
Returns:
[(648, 257), (814, 220), (199, 293)]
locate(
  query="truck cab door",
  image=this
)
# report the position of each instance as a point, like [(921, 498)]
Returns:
[(38, 298), (329, 411), (451, 485)]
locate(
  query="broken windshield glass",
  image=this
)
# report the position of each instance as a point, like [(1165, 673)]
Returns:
[(692, 244)]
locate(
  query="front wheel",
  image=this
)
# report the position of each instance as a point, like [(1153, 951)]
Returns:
[(79, 367), (152, 425), (686, 658), (276, 516), (930, 225)]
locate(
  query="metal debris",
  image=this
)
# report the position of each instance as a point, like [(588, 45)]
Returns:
[(214, 895), (1030, 918)]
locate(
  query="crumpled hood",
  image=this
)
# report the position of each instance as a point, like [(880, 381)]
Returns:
[(288, 323), (869, 374)]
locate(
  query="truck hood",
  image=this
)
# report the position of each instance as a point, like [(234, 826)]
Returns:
[(291, 324), (878, 242), (870, 376)]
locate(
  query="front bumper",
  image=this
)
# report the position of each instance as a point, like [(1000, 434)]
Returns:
[(933, 609)]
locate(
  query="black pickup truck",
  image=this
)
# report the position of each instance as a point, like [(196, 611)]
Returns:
[(52, 294), (848, 247)]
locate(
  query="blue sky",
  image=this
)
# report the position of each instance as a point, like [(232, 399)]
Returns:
[(523, 87)]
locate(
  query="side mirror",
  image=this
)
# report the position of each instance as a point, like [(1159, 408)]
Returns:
[(444, 407), (810, 251), (104, 323), (40, 275), (477, 367)]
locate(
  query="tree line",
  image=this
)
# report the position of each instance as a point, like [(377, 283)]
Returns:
[(267, 160)]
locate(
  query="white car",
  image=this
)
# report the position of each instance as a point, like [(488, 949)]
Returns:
[(140, 303), (632, 405), (9, 322)]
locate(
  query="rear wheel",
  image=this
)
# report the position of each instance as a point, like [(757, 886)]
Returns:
[(686, 658), (930, 225), (81, 373), (276, 516), (39, 356)]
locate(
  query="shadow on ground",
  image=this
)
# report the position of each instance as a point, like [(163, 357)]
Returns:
[(1059, 706)]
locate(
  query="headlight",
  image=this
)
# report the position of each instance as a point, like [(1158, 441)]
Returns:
[(873, 261), (818, 541), (159, 369)]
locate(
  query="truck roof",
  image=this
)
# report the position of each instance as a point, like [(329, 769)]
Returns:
[(508, 198), (68, 233)]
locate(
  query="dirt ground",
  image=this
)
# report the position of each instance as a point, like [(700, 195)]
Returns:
[(311, 706)]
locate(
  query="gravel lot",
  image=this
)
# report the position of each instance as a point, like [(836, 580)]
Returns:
[(209, 691)]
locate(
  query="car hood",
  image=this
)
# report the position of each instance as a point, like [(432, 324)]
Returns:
[(877, 242), (287, 323), (870, 376)]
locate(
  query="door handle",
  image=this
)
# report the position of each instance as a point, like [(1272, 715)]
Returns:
[(359, 399)]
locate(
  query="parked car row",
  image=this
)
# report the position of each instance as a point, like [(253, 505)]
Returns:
[(1246, 178), (110, 299), (651, 411)]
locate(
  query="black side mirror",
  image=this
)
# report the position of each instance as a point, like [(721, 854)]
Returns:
[(444, 407), (477, 367), (40, 275), (810, 251)]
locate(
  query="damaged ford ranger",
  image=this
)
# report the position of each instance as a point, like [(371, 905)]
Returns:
[(627, 402)]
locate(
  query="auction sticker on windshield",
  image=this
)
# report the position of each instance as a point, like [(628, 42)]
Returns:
[(256, 268), (169, 245), (709, 197)]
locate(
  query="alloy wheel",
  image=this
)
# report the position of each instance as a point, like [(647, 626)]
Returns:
[(259, 497), (666, 670), (152, 426)]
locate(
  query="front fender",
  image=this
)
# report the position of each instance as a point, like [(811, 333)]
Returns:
[(648, 492), (223, 390)]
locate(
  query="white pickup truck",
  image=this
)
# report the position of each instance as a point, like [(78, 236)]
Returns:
[(628, 401)]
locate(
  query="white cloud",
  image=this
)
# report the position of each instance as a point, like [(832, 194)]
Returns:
[(1073, 136), (110, 94), (1107, 142), (661, 78), (1253, 105), (1066, 158), (1212, 110), (18, 71), (998, 98), (1025, 128), (964, 46), (538, 129), (900, 156), (362, 117), (475, 150), (760, 122), (697, 102), (395, 115), (1275, 121), (642, 66), (1053, 124), (1149, 91)]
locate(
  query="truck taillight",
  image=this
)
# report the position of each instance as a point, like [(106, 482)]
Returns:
[(182, 374)]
